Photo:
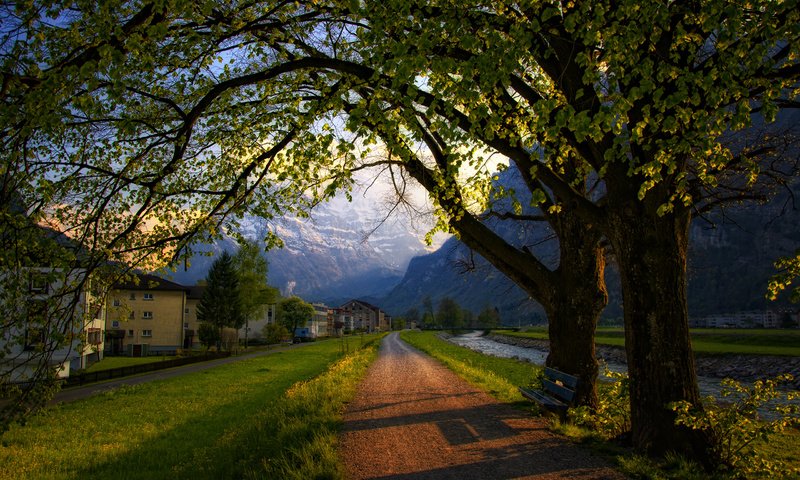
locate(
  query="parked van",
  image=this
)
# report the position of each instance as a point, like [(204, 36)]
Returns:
[(303, 334)]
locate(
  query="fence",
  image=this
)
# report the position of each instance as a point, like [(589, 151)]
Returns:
[(91, 377)]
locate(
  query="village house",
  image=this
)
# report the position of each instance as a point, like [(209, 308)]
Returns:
[(146, 315), (321, 323), (749, 319), (365, 317)]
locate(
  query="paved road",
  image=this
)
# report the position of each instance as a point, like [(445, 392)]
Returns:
[(413, 419), (77, 393)]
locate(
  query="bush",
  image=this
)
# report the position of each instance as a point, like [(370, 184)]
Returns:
[(274, 333), (735, 426), (612, 417)]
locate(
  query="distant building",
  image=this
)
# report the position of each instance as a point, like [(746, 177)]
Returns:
[(191, 324), (365, 317), (322, 321), (252, 329), (747, 319)]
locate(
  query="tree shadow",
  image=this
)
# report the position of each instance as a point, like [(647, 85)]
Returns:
[(486, 441)]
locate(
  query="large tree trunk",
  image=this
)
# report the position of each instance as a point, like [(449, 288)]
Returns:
[(574, 304), (573, 295), (651, 253)]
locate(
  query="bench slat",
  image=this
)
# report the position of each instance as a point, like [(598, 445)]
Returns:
[(559, 391), (541, 397), (569, 381)]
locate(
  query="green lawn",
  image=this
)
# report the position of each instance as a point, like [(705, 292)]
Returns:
[(258, 418), (706, 340)]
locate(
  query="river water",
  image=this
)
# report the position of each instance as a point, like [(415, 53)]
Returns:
[(475, 341)]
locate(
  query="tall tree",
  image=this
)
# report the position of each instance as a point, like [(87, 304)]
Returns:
[(449, 313), (251, 271), (294, 312), (489, 318), (221, 304)]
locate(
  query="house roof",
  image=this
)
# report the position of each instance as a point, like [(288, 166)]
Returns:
[(368, 305), (147, 281)]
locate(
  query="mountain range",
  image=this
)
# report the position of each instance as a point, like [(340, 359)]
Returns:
[(344, 251)]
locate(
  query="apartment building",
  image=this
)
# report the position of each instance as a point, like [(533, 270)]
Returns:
[(147, 315)]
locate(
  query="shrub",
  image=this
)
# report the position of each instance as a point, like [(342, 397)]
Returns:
[(612, 417), (274, 333), (735, 426)]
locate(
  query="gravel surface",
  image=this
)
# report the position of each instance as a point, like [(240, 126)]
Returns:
[(414, 419)]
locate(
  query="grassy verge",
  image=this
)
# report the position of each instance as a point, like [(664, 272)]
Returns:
[(706, 341), (500, 377), (267, 417)]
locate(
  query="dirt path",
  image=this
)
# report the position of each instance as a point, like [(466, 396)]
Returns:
[(414, 419)]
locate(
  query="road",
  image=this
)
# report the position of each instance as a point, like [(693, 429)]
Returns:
[(77, 393), (413, 419)]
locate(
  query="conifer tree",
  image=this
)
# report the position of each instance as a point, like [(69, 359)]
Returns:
[(220, 304)]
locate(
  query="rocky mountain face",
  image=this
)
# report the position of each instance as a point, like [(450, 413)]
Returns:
[(731, 259), (343, 251)]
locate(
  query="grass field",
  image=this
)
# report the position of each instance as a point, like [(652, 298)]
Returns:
[(706, 340), (268, 417)]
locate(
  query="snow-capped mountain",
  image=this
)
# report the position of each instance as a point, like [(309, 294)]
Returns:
[(344, 250)]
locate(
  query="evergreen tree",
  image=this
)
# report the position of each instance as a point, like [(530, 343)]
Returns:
[(221, 304)]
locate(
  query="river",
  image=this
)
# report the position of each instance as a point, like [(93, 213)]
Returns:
[(475, 341)]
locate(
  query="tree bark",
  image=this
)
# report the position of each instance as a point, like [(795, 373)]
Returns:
[(574, 304), (573, 295), (651, 253)]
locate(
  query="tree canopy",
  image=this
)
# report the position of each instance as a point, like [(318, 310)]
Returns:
[(624, 119), (251, 271), (294, 312)]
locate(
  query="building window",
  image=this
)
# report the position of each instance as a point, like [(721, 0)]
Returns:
[(186, 311), (94, 336), (33, 339), (130, 333), (38, 283), (147, 333), (117, 302), (115, 323), (147, 315), (133, 296), (186, 325), (132, 315), (147, 296)]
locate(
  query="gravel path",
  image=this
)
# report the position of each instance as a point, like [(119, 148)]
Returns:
[(414, 419)]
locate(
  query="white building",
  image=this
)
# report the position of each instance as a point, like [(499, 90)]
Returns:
[(63, 325)]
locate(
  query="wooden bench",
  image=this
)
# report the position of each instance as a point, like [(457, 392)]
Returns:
[(558, 391)]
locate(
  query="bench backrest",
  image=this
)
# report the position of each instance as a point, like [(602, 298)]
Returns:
[(566, 390)]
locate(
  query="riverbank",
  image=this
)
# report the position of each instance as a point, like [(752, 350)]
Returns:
[(744, 368)]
